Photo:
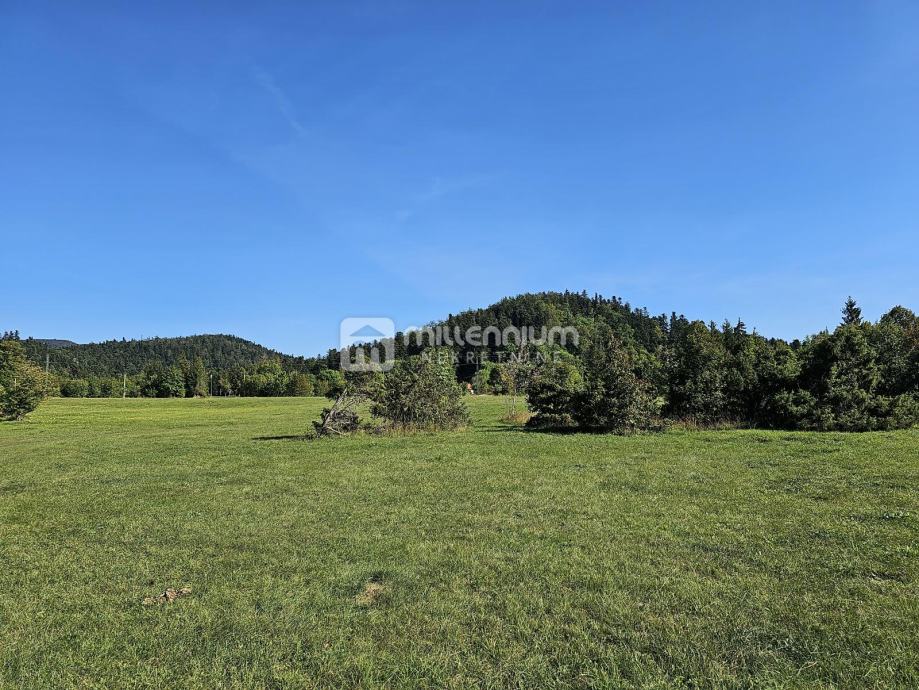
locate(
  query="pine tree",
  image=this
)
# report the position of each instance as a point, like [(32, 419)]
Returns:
[(612, 399), (851, 313), (199, 379), (173, 385)]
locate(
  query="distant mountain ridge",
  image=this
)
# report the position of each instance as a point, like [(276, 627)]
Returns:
[(55, 344)]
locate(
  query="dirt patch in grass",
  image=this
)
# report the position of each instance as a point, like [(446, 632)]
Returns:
[(168, 596), (372, 591)]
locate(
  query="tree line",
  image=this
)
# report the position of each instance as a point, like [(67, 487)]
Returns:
[(862, 376), (629, 370), (193, 366), (114, 358), (192, 379)]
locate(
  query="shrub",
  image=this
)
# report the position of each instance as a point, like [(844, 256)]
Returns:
[(21, 382), (329, 383), (162, 382), (75, 388), (613, 399), (301, 384), (421, 392), (552, 393), (904, 411), (481, 380), (795, 409)]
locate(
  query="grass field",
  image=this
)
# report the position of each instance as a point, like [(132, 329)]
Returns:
[(493, 557)]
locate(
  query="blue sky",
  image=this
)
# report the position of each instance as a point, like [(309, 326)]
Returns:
[(267, 172)]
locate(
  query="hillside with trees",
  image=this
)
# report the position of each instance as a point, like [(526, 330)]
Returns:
[(190, 366), (117, 357), (628, 370)]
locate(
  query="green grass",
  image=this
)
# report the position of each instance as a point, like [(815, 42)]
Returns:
[(504, 558)]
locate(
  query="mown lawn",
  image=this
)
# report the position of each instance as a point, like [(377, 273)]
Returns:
[(493, 557)]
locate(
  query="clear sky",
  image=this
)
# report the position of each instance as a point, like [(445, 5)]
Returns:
[(268, 169)]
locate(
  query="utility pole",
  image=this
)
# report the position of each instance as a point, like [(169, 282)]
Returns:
[(47, 362), (124, 385)]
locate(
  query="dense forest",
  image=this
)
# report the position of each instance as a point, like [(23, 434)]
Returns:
[(862, 375), (175, 367), (117, 357)]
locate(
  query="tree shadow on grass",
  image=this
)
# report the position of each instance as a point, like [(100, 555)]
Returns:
[(553, 430), (506, 427)]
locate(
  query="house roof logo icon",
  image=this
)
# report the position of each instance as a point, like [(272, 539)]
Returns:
[(380, 332), (368, 332)]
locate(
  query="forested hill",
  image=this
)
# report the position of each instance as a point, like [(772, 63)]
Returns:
[(220, 352), (575, 309), (117, 357), (226, 352), (567, 309)]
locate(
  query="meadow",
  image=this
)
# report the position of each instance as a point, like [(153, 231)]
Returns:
[(493, 557)]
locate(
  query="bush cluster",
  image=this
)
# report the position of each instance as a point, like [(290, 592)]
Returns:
[(22, 383), (419, 393), (860, 377)]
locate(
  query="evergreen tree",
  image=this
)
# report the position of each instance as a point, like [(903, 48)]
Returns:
[(199, 379), (613, 399), (173, 383), (22, 384), (553, 392), (696, 370), (851, 313)]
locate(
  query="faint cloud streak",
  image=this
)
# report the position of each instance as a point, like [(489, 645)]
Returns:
[(440, 188), (281, 101)]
